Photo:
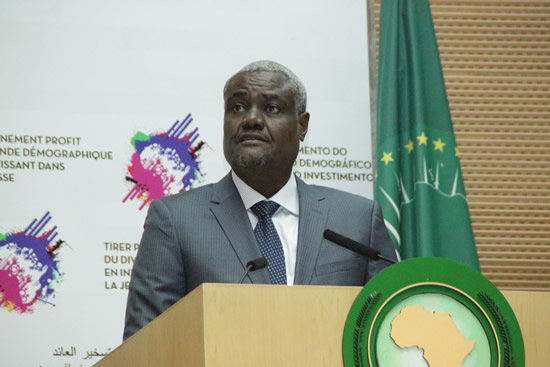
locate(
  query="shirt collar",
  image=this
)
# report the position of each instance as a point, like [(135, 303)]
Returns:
[(287, 196)]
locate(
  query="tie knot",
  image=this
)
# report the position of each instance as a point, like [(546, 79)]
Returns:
[(264, 209)]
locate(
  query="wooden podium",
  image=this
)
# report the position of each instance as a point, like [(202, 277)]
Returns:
[(264, 325)]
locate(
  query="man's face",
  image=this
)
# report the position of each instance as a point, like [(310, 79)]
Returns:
[(261, 126)]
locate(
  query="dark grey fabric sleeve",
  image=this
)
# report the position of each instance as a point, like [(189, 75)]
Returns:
[(381, 241), (158, 276)]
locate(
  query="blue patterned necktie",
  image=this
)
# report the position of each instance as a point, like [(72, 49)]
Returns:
[(269, 241)]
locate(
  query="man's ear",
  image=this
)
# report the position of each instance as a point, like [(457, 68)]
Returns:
[(303, 123)]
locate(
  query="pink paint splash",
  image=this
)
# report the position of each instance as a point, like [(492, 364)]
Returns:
[(153, 180), (13, 292)]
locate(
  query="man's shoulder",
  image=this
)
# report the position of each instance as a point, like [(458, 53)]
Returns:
[(336, 196), (196, 195), (217, 191)]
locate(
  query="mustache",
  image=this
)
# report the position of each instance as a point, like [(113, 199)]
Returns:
[(250, 136)]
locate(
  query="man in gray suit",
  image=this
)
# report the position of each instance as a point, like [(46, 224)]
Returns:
[(210, 233)]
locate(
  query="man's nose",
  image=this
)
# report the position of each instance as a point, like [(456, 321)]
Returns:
[(254, 118)]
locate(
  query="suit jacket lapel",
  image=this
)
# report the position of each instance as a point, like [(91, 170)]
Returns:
[(228, 208), (312, 223)]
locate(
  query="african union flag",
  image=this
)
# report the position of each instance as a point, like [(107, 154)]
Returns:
[(419, 181)]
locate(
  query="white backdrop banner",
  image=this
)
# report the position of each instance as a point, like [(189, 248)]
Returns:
[(107, 105)]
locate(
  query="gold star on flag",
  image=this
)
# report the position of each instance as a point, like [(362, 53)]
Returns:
[(422, 139), (387, 158), (456, 152), (410, 146), (438, 145)]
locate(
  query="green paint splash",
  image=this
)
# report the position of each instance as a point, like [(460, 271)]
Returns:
[(140, 137)]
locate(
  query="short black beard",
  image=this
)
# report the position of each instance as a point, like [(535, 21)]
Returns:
[(250, 162)]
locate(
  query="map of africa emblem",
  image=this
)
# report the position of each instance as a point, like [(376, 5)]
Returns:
[(446, 315)]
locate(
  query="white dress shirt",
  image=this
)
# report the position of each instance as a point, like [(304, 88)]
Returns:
[(285, 218)]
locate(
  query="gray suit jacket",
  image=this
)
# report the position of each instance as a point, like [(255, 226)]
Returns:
[(204, 236)]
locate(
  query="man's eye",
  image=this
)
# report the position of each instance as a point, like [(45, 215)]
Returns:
[(272, 108), (238, 108)]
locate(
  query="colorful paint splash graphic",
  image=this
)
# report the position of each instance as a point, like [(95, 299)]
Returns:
[(164, 164), (29, 266)]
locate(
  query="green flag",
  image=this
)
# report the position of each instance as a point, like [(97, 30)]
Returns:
[(418, 180)]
